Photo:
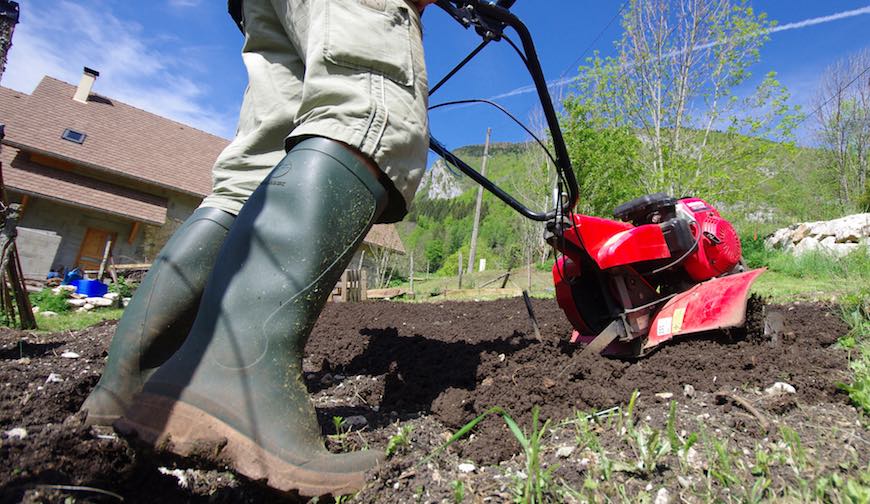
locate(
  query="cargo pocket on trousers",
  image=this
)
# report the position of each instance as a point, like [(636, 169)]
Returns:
[(376, 38)]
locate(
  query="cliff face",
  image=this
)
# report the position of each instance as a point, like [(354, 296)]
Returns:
[(439, 183)]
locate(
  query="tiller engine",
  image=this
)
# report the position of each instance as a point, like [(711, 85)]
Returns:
[(666, 268)]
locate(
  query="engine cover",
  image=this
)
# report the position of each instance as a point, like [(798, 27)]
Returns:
[(718, 249)]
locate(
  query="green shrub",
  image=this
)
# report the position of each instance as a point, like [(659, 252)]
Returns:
[(123, 288), (47, 300)]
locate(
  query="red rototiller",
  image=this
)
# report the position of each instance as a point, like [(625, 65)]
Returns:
[(667, 267)]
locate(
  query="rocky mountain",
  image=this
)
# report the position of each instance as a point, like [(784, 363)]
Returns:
[(439, 183)]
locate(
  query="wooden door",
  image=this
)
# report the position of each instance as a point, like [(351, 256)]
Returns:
[(93, 246)]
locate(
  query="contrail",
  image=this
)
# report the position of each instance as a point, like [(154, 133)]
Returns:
[(786, 27)]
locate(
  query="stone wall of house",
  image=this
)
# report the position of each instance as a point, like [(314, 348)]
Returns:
[(837, 237), (71, 223)]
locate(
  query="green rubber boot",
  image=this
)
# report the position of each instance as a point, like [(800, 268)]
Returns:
[(160, 314), (234, 391)]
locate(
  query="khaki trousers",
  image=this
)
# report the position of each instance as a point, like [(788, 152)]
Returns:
[(349, 70)]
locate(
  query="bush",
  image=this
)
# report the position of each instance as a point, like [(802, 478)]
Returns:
[(123, 288), (47, 300)]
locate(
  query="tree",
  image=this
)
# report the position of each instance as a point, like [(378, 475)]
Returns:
[(672, 83), (844, 126)]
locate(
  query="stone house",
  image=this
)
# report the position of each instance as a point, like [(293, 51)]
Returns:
[(89, 171)]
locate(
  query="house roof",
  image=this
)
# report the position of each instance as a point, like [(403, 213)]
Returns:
[(11, 102), (70, 188), (385, 235), (121, 139)]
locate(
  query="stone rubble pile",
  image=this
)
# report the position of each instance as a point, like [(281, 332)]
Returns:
[(85, 303), (838, 237)]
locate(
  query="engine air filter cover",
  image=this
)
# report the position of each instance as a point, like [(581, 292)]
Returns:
[(650, 209)]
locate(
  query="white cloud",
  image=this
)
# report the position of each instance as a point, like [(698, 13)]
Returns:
[(58, 38), (785, 27), (184, 3)]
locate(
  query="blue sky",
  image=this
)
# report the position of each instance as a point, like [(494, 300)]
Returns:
[(180, 58)]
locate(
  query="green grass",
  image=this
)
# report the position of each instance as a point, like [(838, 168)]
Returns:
[(856, 309), (74, 321), (811, 276)]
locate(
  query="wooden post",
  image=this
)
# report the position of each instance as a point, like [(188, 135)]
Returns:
[(105, 259), (343, 287), (363, 284), (411, 275), (472, 253), (460, 270)]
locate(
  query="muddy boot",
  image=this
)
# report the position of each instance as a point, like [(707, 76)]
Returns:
[(234, 391), (160, 314)]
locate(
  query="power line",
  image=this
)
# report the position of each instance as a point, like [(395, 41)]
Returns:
[(829, 100), (595, 40)]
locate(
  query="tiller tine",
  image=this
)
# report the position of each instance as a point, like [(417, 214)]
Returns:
[(716, 304)]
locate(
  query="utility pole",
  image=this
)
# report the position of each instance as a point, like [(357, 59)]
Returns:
[(472, 254), (9, 13)]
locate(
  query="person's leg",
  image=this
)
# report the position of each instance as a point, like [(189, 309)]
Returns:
[(160, 314), (236, 385)]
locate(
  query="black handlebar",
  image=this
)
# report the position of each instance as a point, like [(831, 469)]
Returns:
[(490, 20)]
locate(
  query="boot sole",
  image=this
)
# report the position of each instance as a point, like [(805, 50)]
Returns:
[(188, 431)]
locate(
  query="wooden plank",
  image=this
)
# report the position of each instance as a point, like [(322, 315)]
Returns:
[(385, 293)]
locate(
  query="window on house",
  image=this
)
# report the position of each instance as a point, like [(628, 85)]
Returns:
[(74, 136)]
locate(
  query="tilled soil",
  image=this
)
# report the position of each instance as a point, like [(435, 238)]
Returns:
[(380, 365)]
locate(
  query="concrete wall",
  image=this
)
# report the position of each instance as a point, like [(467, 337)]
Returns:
[(71, 223)]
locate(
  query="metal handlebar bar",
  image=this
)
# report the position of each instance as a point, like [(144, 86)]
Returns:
[(490, 20)]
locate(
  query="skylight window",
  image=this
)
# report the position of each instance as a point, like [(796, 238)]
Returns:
[(74, 136)]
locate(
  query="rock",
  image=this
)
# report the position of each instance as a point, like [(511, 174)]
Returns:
[(664, 396), (565, 451), (356, 422), (838, 237), (70, 355), (88, 307), (800, 233), (684, 482), (326, 380), (76, 295), (68, 288), (466, 467), (662, 496), (780, 388), (178, 473), (688, 391), (125, 302), (35, 309), (807, 245), (111, 295), (17, 432), (76, 302), (99, 301), (53, 378), (695, 460), (48, 313)]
